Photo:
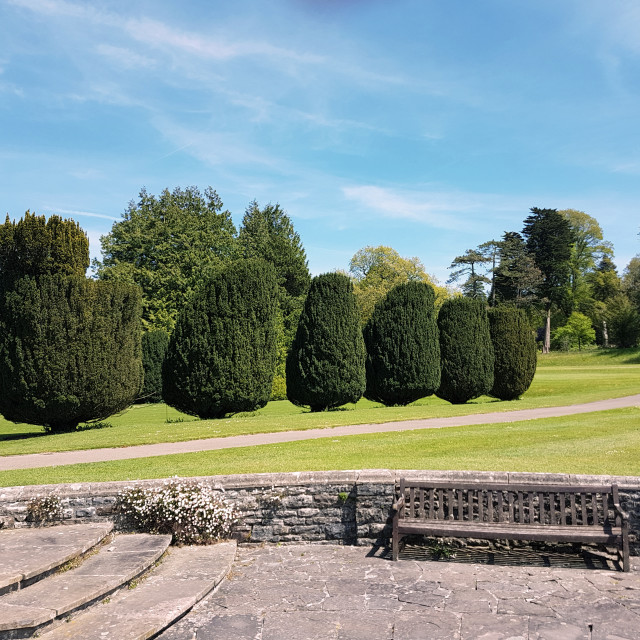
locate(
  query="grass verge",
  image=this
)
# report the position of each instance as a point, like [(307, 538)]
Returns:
[(606, 442)]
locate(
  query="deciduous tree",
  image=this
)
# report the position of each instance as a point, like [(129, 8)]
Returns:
[(376, 270)]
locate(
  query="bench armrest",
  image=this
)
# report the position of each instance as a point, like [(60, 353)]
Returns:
[(397, 506), (620, 511)]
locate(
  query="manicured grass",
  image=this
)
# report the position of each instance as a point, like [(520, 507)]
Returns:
[(606, 442), (561, 379)]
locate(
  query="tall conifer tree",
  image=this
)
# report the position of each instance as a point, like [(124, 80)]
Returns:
[(466, 351), (222, 352), (403, 350), (326, 364), (515, 352)]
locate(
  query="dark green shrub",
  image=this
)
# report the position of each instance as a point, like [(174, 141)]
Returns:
[(326, 364), (514, 346), (35, 246), (154, 349), (69, 350), (222, 352), (466, 351), (403, 350)]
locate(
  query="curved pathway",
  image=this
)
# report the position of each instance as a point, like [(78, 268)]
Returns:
[(31, 461)]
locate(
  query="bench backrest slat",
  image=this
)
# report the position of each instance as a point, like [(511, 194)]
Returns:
[(537, 505)]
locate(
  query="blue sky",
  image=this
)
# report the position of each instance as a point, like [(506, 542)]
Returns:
[(428, 126)]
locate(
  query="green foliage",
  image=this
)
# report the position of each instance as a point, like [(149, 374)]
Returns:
[(268, 233), (403, 350), (326, 364), (515, 353), (466, 265), (35, 246), (376, 270), (624, 322), (588, 248), (631, 281), (69, 350), (166, 245), (516, 278), (577, 332), (154, 349), (466, 351), (550, 240), (222, 352)]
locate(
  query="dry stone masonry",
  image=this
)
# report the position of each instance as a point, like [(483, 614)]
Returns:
[(340, 507)]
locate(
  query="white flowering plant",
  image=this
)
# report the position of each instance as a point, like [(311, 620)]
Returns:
[(43, 509), (190, 511)]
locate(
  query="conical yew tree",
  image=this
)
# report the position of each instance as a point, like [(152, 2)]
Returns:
[(403, 350), (514, 346), (69, 350), (154, 349), (326, 364), (222, 352), (466, 351)]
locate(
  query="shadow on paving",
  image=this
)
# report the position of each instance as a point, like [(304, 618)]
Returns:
[(516, 557)]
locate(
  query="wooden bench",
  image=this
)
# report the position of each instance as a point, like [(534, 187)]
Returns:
[(546, 513)]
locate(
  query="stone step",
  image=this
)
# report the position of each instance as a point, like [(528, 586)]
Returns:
[(24, 612), (184, 577), (28, 555)]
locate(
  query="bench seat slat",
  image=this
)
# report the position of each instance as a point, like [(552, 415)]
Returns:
[(498, 531)]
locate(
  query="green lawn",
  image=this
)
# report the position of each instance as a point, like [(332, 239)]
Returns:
[(561, 379), (606, 442)]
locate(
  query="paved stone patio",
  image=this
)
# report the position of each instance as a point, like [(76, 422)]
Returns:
[(300, 592)]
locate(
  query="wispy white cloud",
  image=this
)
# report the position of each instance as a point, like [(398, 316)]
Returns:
[(124, 57), (78, 214), (443, 210), (160, 35), (214, 147), (618, 21)]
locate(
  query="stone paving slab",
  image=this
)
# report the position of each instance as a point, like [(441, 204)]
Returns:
[(183, 578), (301, 592), (27, 554), (126, 557)]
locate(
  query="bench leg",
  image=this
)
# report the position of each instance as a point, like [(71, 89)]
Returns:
[(625, 547), (395, 547)]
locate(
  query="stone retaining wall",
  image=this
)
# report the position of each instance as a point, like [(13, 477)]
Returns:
[(348, 507)]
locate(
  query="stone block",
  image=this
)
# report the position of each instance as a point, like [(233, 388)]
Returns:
[(297, 502), (308, 512), (261, 534)]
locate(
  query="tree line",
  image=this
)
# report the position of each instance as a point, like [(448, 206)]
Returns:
[(216, 320), (560, 271)]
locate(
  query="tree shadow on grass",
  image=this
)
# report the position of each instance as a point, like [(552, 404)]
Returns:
[(620, 356), (81, 428), (7, 437)]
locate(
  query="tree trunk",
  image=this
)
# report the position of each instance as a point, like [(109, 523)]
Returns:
[(605, 334), (546, 347)]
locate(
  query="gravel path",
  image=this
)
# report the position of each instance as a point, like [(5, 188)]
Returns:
[(31, 461)]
